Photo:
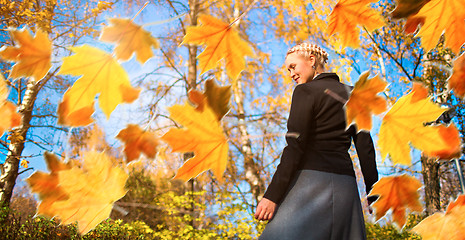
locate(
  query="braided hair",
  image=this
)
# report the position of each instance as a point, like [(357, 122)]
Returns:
[(306, 50)]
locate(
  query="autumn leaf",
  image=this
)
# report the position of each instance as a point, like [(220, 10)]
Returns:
[(456, 81), (222, 41), (101, 74), (446, 16), (397, 193), (47, 184), (444, 226), (345, 17), (405, 123), (451, 137), (203, 135), (91, 191), (10, 117), (130, 38), (407, 8), (32, 54), (137, 141), (364, 101), (215, 96), (80, 117)]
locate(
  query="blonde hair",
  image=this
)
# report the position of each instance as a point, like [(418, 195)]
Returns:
[(306, 50)]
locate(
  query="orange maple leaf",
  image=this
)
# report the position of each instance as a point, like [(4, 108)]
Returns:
[(202, 135), (102, 74), (137, 141), (91, 191), (397, 193), (33, 55), (47, 184), (364, 100), (215, 96), (407, 8), (222, 42), (446, 16), (456, 81), (10, 117), (451, 136), (444, 226), (131, 38), (405, 123), (347, 14)]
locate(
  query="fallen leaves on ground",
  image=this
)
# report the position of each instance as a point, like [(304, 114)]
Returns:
[(101, 74), (444, 226), (405, 124), (345, 17), (137, 141), (364, 101), (202, 134), (32, 54), (130, 38), (84, 194), (222, 41), (397, 193)]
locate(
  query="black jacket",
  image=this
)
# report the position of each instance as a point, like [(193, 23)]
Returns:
[(317, 137)]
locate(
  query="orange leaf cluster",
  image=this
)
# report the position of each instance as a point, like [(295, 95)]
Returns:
[(456, 81), (101, 74), (131, 38), (345, 17), (363, 101), (444, 226), (137, 141), (405, 123), (397, 193), (10, 118), (222, 42), (32, 54), (85, 195)]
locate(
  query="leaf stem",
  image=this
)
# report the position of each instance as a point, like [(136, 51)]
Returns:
[(243, 13), (142, 8)]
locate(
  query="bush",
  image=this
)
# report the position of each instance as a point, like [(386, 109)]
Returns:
[(392, 232)]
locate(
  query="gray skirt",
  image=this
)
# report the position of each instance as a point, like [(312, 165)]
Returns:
[(318, 206)]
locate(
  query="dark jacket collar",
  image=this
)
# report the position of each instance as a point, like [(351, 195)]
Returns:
[(331, 76)]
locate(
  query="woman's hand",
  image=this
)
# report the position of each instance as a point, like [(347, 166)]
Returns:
[(265, 209)]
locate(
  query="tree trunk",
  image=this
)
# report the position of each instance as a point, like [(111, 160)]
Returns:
[(15, 148), (430, 171)]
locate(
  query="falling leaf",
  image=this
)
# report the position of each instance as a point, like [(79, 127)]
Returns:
[(32, 54), (345, 17), (364, 101), (457, 79), (47, 184), (131, 38), (137, 141), (203, 135), (24, 163), (215, 96), (412, 24), (10, 117), (451, 136), (407, 8), (91, 191), (405, 123), (444, 226), (80, 117), (222, 41), (446, 16), (101, 74), (397, 193)]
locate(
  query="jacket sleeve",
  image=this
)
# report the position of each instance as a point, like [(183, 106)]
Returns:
[(366, 155), (296, 137)]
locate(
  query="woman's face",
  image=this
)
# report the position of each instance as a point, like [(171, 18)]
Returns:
[(300, 69)]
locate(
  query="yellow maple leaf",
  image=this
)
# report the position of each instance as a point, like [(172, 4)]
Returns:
[(446, 16), (215, 96), (137, 141), (456, 81), (345, 17), (130, 38), (405, 123), (444, 226), (364, 100), (91, 191), (32, 54), (397, 193), (202, 135), (222, 41), (10, 117), (101, 74)]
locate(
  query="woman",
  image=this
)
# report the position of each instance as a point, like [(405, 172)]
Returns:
[(314, 185)]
